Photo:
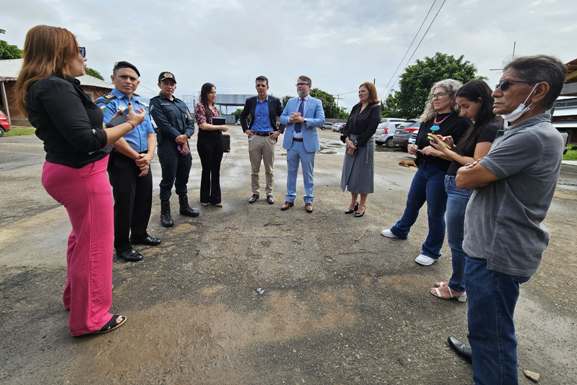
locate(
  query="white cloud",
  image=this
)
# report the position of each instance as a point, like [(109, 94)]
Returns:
[(339, 43)]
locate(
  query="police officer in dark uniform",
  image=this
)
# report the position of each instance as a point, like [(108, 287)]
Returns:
[(175, 125)]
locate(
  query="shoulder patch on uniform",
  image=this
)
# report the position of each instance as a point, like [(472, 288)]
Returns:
[(105, 99)]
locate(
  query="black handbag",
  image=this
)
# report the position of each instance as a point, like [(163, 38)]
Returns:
[(225, 143)]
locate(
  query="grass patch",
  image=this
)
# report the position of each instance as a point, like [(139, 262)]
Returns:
[(571, 153), (20, 131)]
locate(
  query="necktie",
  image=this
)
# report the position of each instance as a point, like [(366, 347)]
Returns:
[(299, 126)]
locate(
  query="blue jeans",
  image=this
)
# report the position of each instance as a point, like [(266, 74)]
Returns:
[(296, 154), (427, 186), (492, 297), (457, 199)]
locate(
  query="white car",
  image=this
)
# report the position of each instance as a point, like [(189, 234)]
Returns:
[(386, 130)]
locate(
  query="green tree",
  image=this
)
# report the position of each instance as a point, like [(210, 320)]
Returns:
[(237, 113), (332, 111), (418, 79), (93, 72), (391, 107), (9, 51)]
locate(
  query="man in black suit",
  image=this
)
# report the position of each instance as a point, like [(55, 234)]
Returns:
[(260, 122)]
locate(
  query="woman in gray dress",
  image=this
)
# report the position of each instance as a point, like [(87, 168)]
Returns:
[(358, 171)]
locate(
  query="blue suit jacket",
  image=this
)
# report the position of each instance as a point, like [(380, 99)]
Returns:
[(314, 117)]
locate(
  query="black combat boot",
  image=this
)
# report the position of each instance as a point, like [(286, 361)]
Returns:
[(185, 209), (165, 218)]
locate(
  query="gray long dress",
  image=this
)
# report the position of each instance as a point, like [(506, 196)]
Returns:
[(358, 169)]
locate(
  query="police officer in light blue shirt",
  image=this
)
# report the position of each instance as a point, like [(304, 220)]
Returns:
[(129, 165)]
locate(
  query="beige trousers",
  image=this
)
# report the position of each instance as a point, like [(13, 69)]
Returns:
[(261, 148)]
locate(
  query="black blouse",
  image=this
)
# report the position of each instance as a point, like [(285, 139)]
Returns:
[(362, 123), (449, 124), (67, 121), (466, 146)]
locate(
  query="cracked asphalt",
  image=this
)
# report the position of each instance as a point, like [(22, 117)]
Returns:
[(341, 304)]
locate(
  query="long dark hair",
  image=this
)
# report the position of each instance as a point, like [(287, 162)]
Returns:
[(204, 91), (477, 91)]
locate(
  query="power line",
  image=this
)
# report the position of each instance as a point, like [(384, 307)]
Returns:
[(410, 45), (426, 31)]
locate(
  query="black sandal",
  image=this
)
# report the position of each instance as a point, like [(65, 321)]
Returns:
[(350, 211), (115, 322), (358, 213)]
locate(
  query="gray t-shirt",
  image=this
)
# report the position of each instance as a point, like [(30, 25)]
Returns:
[(503, 219)]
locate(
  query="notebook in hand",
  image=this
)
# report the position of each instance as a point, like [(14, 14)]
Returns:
[(218, 121)]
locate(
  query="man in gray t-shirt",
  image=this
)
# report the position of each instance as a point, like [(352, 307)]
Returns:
[(504, 236), (503, 221)]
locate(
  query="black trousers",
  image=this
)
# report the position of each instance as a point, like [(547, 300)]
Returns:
[(132, 200), (210, 150), (175, 170)]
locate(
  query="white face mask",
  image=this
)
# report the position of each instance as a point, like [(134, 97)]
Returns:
[(520, 110)]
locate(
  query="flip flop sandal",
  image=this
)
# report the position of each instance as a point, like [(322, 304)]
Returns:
[(436, 292), (440, 284), (115, 322)]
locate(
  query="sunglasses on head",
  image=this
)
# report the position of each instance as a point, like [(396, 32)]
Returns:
[(504, 85), (82, 51)]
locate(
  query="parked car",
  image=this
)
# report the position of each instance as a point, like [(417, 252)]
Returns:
[(4, 124), (327, 126), (404, 133), (393, 120), (385, 132), (565, 137), (337, 127)]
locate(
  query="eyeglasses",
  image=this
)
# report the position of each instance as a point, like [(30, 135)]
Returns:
[(302, 84), (82, 51), (504, 85), (261, 85), (439, 95)]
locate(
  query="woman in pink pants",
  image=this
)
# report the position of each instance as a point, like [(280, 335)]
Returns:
[(74, 174)]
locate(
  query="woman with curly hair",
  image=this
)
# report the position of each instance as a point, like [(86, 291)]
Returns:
[(440, 117)]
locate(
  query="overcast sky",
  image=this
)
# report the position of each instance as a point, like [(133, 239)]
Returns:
[(338, 43)]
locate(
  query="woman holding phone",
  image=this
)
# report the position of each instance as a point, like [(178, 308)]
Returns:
[(75, 171), (475, 103), (439, 117)]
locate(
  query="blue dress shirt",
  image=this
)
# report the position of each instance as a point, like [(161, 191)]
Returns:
[(261, 117), (137, 138)]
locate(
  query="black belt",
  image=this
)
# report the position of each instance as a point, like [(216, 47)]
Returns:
[(298, 139), (262, 133)]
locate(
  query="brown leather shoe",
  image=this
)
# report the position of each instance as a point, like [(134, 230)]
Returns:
[(286, 206), (309, 207)]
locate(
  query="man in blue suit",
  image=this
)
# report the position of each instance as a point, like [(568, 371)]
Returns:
[(301, 116)]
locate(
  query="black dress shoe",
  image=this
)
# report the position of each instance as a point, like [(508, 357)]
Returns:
[(253, 198), (270, 199), (130, 255), (148, 241), (463, 350)]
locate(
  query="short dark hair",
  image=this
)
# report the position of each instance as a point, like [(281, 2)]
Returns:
[(261, 78), (541, 68), (306, 79), (125, 64)]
